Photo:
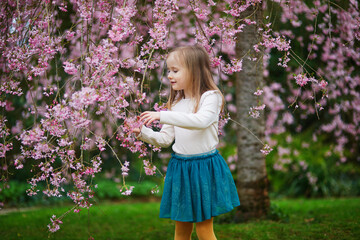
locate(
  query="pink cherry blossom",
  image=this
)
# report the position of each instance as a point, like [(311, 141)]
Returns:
[(266, 149), (70, 68), (127, 191), (301, 79), (82, 99), (259, 92), (149, 169), (55, 224)]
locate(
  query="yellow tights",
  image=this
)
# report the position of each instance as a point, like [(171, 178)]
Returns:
[(204, 230)]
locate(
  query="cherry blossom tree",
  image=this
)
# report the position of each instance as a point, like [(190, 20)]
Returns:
[(252, 182), (75, 74)]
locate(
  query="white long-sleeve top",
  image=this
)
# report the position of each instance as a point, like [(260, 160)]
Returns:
[(193, 132)]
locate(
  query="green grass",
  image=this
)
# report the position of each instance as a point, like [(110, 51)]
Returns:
[(308, 219)]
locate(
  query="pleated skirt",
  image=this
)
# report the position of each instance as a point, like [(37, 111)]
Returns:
[(198, 187)]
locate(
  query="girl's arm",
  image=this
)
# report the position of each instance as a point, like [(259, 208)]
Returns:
[(207, 114), (163, 138)]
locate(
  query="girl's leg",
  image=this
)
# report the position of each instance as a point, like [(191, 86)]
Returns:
[(183, 230), (205, 230)]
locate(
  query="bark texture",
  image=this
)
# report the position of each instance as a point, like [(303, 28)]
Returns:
[(252, 181)]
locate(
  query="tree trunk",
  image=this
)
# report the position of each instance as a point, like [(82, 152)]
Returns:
[(252, 182)]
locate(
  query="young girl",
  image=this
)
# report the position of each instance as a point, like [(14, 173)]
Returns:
[(198, 184)]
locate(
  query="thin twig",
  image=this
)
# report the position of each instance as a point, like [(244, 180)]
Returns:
[(247, 130), (312, 43), (147, 65), (109, 147)]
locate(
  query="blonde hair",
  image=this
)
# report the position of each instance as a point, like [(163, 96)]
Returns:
[(197, 63)]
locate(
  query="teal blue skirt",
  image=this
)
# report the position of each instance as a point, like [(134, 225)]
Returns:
[(198, 187)]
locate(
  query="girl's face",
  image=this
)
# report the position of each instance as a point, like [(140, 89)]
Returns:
[(178, 74)]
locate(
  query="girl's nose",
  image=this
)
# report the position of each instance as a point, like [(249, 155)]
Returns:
[(169, 76)]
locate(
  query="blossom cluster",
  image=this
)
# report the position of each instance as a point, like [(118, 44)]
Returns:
[(55, 224), (266, 149), (255, 111), (122, 27), (149, 169), (279, 42), (155, 189), (125, 169), (302, 79), (127, 190)]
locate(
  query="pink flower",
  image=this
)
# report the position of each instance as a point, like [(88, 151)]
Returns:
[(128, 191), (266, 149), (253, 113), (125, 169), (18, 164), (79, 119), (63, 7), (155, 189), (63, 142), (258, 92), (261, 107), (71, 153), (96, 165), (55, 224), (160, 108), (85, 9), (123, 26), (100, 142), (82, 99), (42, 147), (228, 97), (70, 68), (301, 79), (323, 84), (235, 66), (215, 61), (69, 35), (32, 136), (5, 148), (231, 108), (149, 170), (159, 33), (53, 127)]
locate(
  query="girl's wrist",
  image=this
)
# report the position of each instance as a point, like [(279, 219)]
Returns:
[(137, 131)]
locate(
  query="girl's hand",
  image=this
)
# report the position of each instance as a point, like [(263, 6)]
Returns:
[(148, 117), (136, 131)]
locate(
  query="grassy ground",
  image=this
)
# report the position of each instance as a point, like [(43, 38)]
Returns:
[(308, 219)]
